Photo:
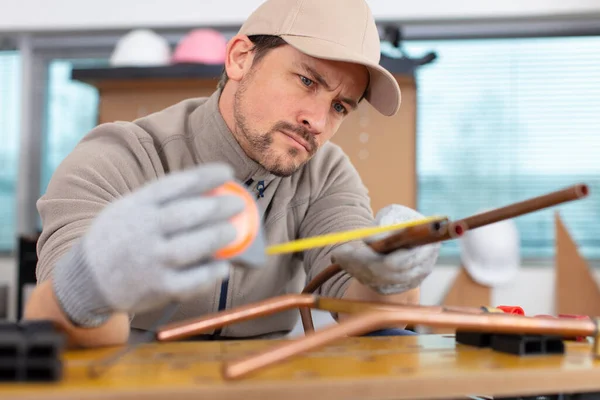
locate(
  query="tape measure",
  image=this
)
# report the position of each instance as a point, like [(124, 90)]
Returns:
[(247, 224), (346, 236)]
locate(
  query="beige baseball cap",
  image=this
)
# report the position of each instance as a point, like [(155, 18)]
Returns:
[(341, 30)]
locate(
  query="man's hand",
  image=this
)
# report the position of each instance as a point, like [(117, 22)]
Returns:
[(394, 273), (149, 248)]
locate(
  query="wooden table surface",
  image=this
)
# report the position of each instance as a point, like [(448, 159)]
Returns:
[(407, 367)]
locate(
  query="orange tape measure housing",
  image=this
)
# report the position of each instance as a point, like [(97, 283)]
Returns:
[(246, 223)]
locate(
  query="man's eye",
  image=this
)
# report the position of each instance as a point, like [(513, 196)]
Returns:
[(305, 80), (339, 108)]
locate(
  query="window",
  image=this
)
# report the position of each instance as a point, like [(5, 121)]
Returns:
[(10, 83), (504, 120), (72, 111)]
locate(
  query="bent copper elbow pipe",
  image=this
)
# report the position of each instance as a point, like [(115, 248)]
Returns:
[(195, 326), (374, 320)]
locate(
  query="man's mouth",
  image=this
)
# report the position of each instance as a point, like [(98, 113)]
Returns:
[(298, 140)]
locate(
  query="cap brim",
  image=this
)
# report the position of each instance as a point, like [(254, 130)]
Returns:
[(384, 91)]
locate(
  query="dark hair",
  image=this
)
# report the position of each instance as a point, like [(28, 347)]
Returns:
[(262, 45)]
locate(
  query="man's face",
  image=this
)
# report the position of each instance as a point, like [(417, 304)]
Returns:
[(289, 104)]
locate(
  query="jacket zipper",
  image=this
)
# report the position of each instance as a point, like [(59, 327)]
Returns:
[(260, 187)]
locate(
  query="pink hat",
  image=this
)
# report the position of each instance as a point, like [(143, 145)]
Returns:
[(201, 46)]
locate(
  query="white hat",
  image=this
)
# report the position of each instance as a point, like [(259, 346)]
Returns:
[(491, 253), (141, 48)]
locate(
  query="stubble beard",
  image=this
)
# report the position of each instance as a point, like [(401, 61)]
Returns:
[(258, 145)]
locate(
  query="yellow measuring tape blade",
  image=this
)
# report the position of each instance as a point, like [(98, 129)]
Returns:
[(338, 237)]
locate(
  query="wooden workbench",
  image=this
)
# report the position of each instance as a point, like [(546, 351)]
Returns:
[(408, 367)]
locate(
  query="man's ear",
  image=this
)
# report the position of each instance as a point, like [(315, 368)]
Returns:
[(238, 57)]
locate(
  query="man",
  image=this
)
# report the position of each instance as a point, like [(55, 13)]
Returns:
[(129, 227)]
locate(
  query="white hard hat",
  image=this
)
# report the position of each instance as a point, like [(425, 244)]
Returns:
[(141, 48), (491, 253)]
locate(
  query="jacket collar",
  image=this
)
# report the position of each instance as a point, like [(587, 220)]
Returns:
[(214, 142)]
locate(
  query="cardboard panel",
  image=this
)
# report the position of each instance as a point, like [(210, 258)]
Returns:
[(465, 292), (577, 291), (128, 100), (383, 149)]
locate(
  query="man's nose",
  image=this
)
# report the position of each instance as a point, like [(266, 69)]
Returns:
[(314, 116)]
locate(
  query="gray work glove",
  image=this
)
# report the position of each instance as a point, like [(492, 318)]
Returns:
[(149, 248), (393, 273)]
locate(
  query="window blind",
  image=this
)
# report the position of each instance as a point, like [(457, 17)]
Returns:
[(10, 83), (503, 120)]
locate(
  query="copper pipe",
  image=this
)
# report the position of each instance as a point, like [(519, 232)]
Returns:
[(347, 306), (322, 277), (313, 285), (355, 306), (371, 321), (306, 318), (393, 242), (246, 365), (408, 236), (412, 237), (513, 210), (570, 193), (191, 327), (187, 328), (429, 231), (398, 240)]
